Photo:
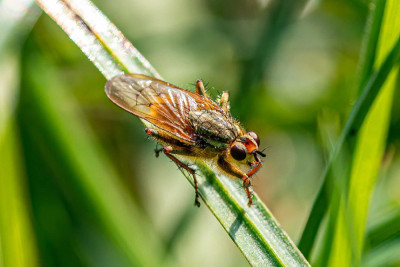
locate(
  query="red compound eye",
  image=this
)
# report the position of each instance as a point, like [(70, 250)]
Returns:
[(255, 137), (239, 152)]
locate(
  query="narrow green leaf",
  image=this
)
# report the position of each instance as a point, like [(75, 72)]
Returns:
[(17, 239), (387, 254), (372, 138), (280, 16), (17, 17), (352, 127), (75, 147), (254, 230), (350, 219), (383, 227), (382, 242), (370, 43)]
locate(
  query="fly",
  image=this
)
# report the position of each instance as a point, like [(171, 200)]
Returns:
[(190, 125)]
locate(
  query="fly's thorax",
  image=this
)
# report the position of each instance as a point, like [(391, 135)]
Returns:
[(215, 126)]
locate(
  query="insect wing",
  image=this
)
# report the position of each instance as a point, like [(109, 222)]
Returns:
[(160, 103)]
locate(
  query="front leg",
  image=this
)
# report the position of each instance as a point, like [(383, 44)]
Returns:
[(235, 171)]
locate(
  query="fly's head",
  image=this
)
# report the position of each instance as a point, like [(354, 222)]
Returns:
[(244, 150)]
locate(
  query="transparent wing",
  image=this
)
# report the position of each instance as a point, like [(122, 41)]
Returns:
[(160, 103)]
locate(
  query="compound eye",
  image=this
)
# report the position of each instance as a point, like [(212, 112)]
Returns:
[(255, 137), (239, 152)]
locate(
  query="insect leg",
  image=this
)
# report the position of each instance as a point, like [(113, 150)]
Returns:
[(223, 101), (235, 171), (200, 88), (167, 150), (176, 147), (254, 169), (157, 151), (164, 137), (154, 134)]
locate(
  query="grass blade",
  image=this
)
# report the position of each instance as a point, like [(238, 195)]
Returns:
[(382, 242), (384, 228), (254, 230), (122, 51), (365, 70), (17, 239), (356, 118), (352, 127), (371, 143), (18, 244), (370, 43), (277, 21), (387, 254), (85, 165)]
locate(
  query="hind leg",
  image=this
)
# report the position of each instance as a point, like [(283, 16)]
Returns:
[(177, 148), (167, 151)]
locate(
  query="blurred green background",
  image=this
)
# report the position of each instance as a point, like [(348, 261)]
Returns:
[(67, 152)]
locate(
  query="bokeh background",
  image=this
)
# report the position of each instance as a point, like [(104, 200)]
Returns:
[(291, 78)]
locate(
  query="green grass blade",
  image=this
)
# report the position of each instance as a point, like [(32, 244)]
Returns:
[(17, 241), (365, 70), (370, 43), (351, 129), (17, 17), (371, 142), (17, 238), (281, 15), (254, 230), (82, 36), (346, 243), (122, 51), (89, 172), (387, 254), (384, 227), (382, 242)]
